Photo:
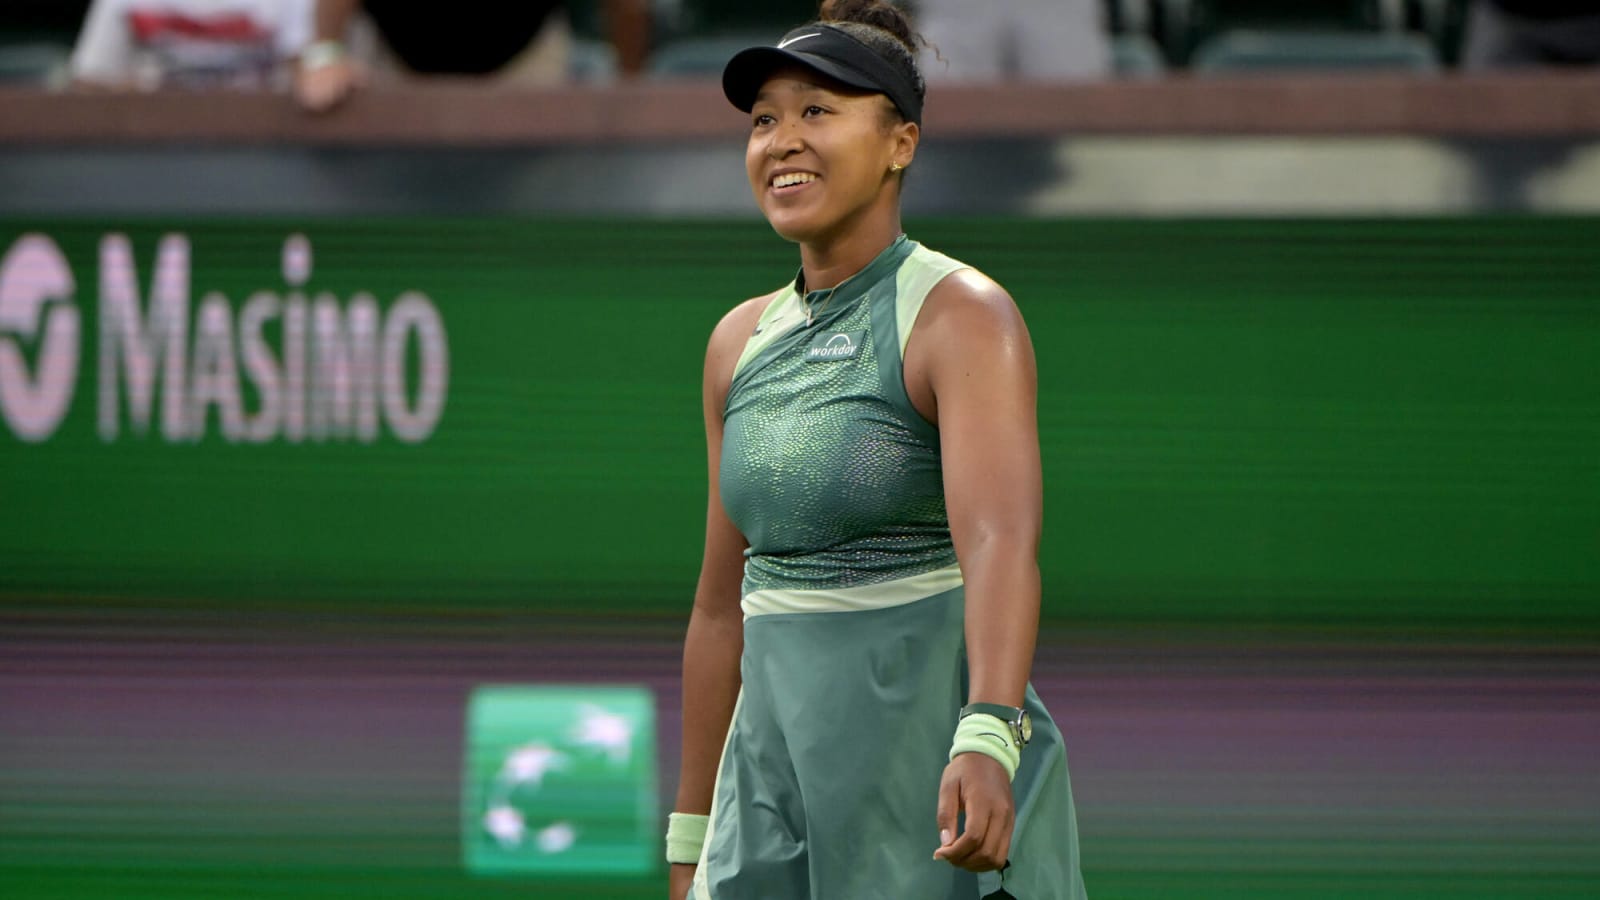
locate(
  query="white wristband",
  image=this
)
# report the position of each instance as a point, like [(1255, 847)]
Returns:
[(989, 735), (320, 55), (686, 834)]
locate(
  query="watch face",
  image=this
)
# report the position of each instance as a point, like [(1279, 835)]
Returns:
[(1026, 727)]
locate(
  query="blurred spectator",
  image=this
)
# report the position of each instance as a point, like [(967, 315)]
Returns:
[(149, 44), (999, 40), (722, 16), (527, 42), (1519, 33)]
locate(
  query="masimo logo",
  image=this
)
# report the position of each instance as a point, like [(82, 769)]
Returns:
[(314, 368), (36, 308)]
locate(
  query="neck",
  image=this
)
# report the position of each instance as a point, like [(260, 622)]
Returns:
[(828, 261)]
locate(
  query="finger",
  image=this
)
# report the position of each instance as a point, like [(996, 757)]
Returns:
[(949, 810), (997, 847), (996, 839), (329, 86), (972, 838), (321, 93), (989, 821), (982, 829), (341, 84), (957, 852)]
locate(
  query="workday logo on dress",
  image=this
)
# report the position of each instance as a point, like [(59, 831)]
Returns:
[(833, 345)]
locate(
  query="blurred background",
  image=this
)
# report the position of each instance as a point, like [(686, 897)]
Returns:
[(352, 481)]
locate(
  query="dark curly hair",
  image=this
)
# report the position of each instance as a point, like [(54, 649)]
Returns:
[(884, 28)]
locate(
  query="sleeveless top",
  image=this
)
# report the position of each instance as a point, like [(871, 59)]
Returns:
[(854, 622), (827, 469)]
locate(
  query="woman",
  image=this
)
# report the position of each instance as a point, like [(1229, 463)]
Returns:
[(855, 702)]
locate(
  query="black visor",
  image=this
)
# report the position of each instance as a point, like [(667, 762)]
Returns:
[(832, 51)]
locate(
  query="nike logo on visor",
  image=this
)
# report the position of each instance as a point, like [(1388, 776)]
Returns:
[(796, 40)]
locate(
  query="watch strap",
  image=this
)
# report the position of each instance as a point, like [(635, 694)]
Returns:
[(1011, 715), (998, 710)]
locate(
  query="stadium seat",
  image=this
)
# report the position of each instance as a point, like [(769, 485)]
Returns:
[(1263, 35), (700, 57), (1135, 49), (1242, 51), (34, 64), (1137, 56), (592, 61), (1443, 21)]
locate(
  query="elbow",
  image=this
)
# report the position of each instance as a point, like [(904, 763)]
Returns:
[(1010, 541)]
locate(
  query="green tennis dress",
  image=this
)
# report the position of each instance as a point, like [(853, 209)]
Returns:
[(853, 668)]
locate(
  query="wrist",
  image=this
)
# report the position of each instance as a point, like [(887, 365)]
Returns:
[(989, 735), (1017, 721), (321, 54), (686, 835)]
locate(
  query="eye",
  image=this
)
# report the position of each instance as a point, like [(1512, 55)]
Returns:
[(763, 119), (814, 110)]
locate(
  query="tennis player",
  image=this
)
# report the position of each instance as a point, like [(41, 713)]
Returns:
[(858, 721)]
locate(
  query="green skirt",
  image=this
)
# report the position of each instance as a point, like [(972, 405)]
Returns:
[(829, 781)]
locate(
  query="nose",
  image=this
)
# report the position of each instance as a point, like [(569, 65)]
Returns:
[(784, 141)]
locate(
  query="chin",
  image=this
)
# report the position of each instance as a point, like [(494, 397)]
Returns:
[(794, 228), (802, 225)]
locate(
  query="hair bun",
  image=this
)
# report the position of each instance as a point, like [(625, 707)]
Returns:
[(876, 13)]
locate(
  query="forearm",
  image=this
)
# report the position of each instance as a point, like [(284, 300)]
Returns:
[(628, 22), (711, 652), (333, 19), (1002, 618)]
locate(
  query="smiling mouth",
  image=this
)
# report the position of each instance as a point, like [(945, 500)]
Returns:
[(792, 180)]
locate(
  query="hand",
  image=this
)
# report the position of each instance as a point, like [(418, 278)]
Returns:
[(976, 784), (321, 88), (678, 880)]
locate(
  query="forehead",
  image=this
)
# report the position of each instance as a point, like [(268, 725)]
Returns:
[(796, 81)]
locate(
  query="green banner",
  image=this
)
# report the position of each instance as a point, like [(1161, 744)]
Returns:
[(560, 781), (1279, 421)]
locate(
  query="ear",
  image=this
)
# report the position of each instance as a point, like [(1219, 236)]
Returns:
[(905, 136)]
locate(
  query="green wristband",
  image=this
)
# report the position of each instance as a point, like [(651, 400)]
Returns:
[(686, 834), (989, 735)]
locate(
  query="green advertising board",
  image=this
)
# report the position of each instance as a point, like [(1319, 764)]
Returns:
[(1273, 421), (560, 781)]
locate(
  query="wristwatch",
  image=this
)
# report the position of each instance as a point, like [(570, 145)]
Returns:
[(1018, 720)]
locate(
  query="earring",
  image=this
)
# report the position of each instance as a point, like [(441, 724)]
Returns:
[(895, 167)]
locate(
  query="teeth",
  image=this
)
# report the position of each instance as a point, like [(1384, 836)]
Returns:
[(793, 178)]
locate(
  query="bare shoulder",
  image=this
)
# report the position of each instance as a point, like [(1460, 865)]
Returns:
[(968, 325), (738, 323), (968, 303), (728, 340)]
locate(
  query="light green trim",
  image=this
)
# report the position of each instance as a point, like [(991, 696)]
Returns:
[(698, 889), (686, 837), (899, 592), (989, 735), (918, 275), (779, 318)]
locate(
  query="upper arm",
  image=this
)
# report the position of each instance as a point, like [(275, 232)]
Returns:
[(723, 564), (972, 349)]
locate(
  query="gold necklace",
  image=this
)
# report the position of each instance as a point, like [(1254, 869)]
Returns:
[(820, 307)]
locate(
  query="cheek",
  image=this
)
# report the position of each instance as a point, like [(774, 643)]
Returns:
[(753, 157), (853, 167)]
